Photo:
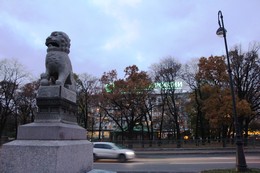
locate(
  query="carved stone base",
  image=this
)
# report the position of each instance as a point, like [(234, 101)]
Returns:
[(51, 131), (56, 104), (46, 156)]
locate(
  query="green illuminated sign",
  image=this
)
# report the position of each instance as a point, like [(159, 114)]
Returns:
[(157, 85), (168, 85)]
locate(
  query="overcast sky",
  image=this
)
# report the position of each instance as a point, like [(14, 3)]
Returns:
[(114, 34)]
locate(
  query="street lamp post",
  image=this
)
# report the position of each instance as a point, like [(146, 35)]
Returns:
[(240, 156)]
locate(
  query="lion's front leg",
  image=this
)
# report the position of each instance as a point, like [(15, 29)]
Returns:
[(62, 78)]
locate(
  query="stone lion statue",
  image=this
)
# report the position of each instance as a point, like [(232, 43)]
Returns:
[(57, 62)]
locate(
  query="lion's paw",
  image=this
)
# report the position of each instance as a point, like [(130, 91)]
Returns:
[(58, 82), (44, 82)]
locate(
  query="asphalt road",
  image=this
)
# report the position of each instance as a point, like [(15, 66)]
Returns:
[(188, 163)]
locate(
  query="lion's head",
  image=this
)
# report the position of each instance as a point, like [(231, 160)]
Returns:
[(58, 41)]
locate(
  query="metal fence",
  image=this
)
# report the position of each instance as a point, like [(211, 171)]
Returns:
[(251, 143), (190, 143)]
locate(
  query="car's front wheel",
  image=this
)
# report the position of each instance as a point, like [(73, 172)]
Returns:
[(122, 158)]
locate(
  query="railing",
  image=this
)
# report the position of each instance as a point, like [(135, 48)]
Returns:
[(250, 143)]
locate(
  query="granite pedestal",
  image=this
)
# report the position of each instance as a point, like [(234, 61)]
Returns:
[(46, 156), (54, 143)]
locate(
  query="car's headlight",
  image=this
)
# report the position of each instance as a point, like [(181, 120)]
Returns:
[(130, 153)]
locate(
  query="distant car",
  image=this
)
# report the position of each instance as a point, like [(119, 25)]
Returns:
[(109, 150)]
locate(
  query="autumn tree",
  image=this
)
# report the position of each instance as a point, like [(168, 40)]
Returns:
[(108, 100), (194, 106), (216, 97), (217, 100), (124, 99), (166, 73), (25, 101), (11, 77), (246, 70), (87, 90)]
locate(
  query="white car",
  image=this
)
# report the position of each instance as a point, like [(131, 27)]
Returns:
[(109, 150)]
